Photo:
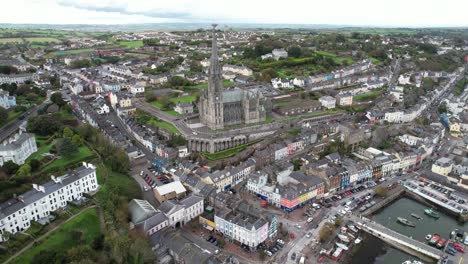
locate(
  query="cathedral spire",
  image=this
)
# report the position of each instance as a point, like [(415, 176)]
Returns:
[(214, 46), (215, 68)]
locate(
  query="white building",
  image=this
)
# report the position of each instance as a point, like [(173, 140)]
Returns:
[(249, 230), (7, 101), (17, 148), (327, 102), (17, 213), (137, 89), (171, 213), (242, 70), (410, 140), (281, 83), (18, 78), (279, 53)]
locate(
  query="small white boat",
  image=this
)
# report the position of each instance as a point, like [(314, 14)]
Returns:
[(428, 237), (358, 240), (343, 246), (343, 238)]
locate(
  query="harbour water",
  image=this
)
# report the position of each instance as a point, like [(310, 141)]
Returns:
[(375, 251)]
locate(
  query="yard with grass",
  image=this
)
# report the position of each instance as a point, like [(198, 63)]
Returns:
[(131, 44), (42, 147), (226, 83), (83, 154), (185, 99), (164, 125), (368, 96), (337, 59), (61, 239)]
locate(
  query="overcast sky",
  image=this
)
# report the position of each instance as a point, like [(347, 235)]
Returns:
[(412, 13)]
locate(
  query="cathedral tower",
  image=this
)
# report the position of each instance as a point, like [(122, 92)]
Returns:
[(211, 100)]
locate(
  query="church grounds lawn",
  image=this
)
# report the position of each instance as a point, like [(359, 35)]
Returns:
[(184, 99), (60, 239), (164, 125), (226, 83), (227, 153)]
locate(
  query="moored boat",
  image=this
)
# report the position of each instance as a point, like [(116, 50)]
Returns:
[(441, 243), (428, 237), (416, 216), (405, 221), (434, 239), (432, 213), (343, 246), (358, 240), (343, 238)]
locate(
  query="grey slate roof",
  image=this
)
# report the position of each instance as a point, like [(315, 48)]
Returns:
[(15, 204)]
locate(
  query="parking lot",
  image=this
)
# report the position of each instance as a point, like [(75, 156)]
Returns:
[(440, 193)]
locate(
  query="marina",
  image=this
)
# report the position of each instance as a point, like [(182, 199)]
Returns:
[(440, 227)]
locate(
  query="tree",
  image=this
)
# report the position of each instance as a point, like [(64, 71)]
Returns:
[(57, 99), (67, 132), (44, 125), (166, 104), (77, 140), (295, 51), (20, 108), (10, 167), (98, 243), (49, 256), (381, 191), (66, 147), (24, 170), (221, 243), (35, 164), (325, 232), (82, 63), (268, 74), (442, 108), (3, 113)]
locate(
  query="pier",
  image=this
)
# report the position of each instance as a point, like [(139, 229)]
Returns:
[(407, 244)]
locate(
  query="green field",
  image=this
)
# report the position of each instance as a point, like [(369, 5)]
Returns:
[(226, 83), (29, 40), (164, 125), (60, 240), (336, 58), (184, 99), (131, 44), (368, 96), (68, 52), (124, 184), (83, 154)]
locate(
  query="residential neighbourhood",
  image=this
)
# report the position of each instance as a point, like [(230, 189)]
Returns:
[(232, 143)]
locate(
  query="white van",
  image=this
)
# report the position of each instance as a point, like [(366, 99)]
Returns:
[(302, 260)]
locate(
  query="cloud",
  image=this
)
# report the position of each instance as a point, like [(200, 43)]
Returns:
[(123, 7)]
